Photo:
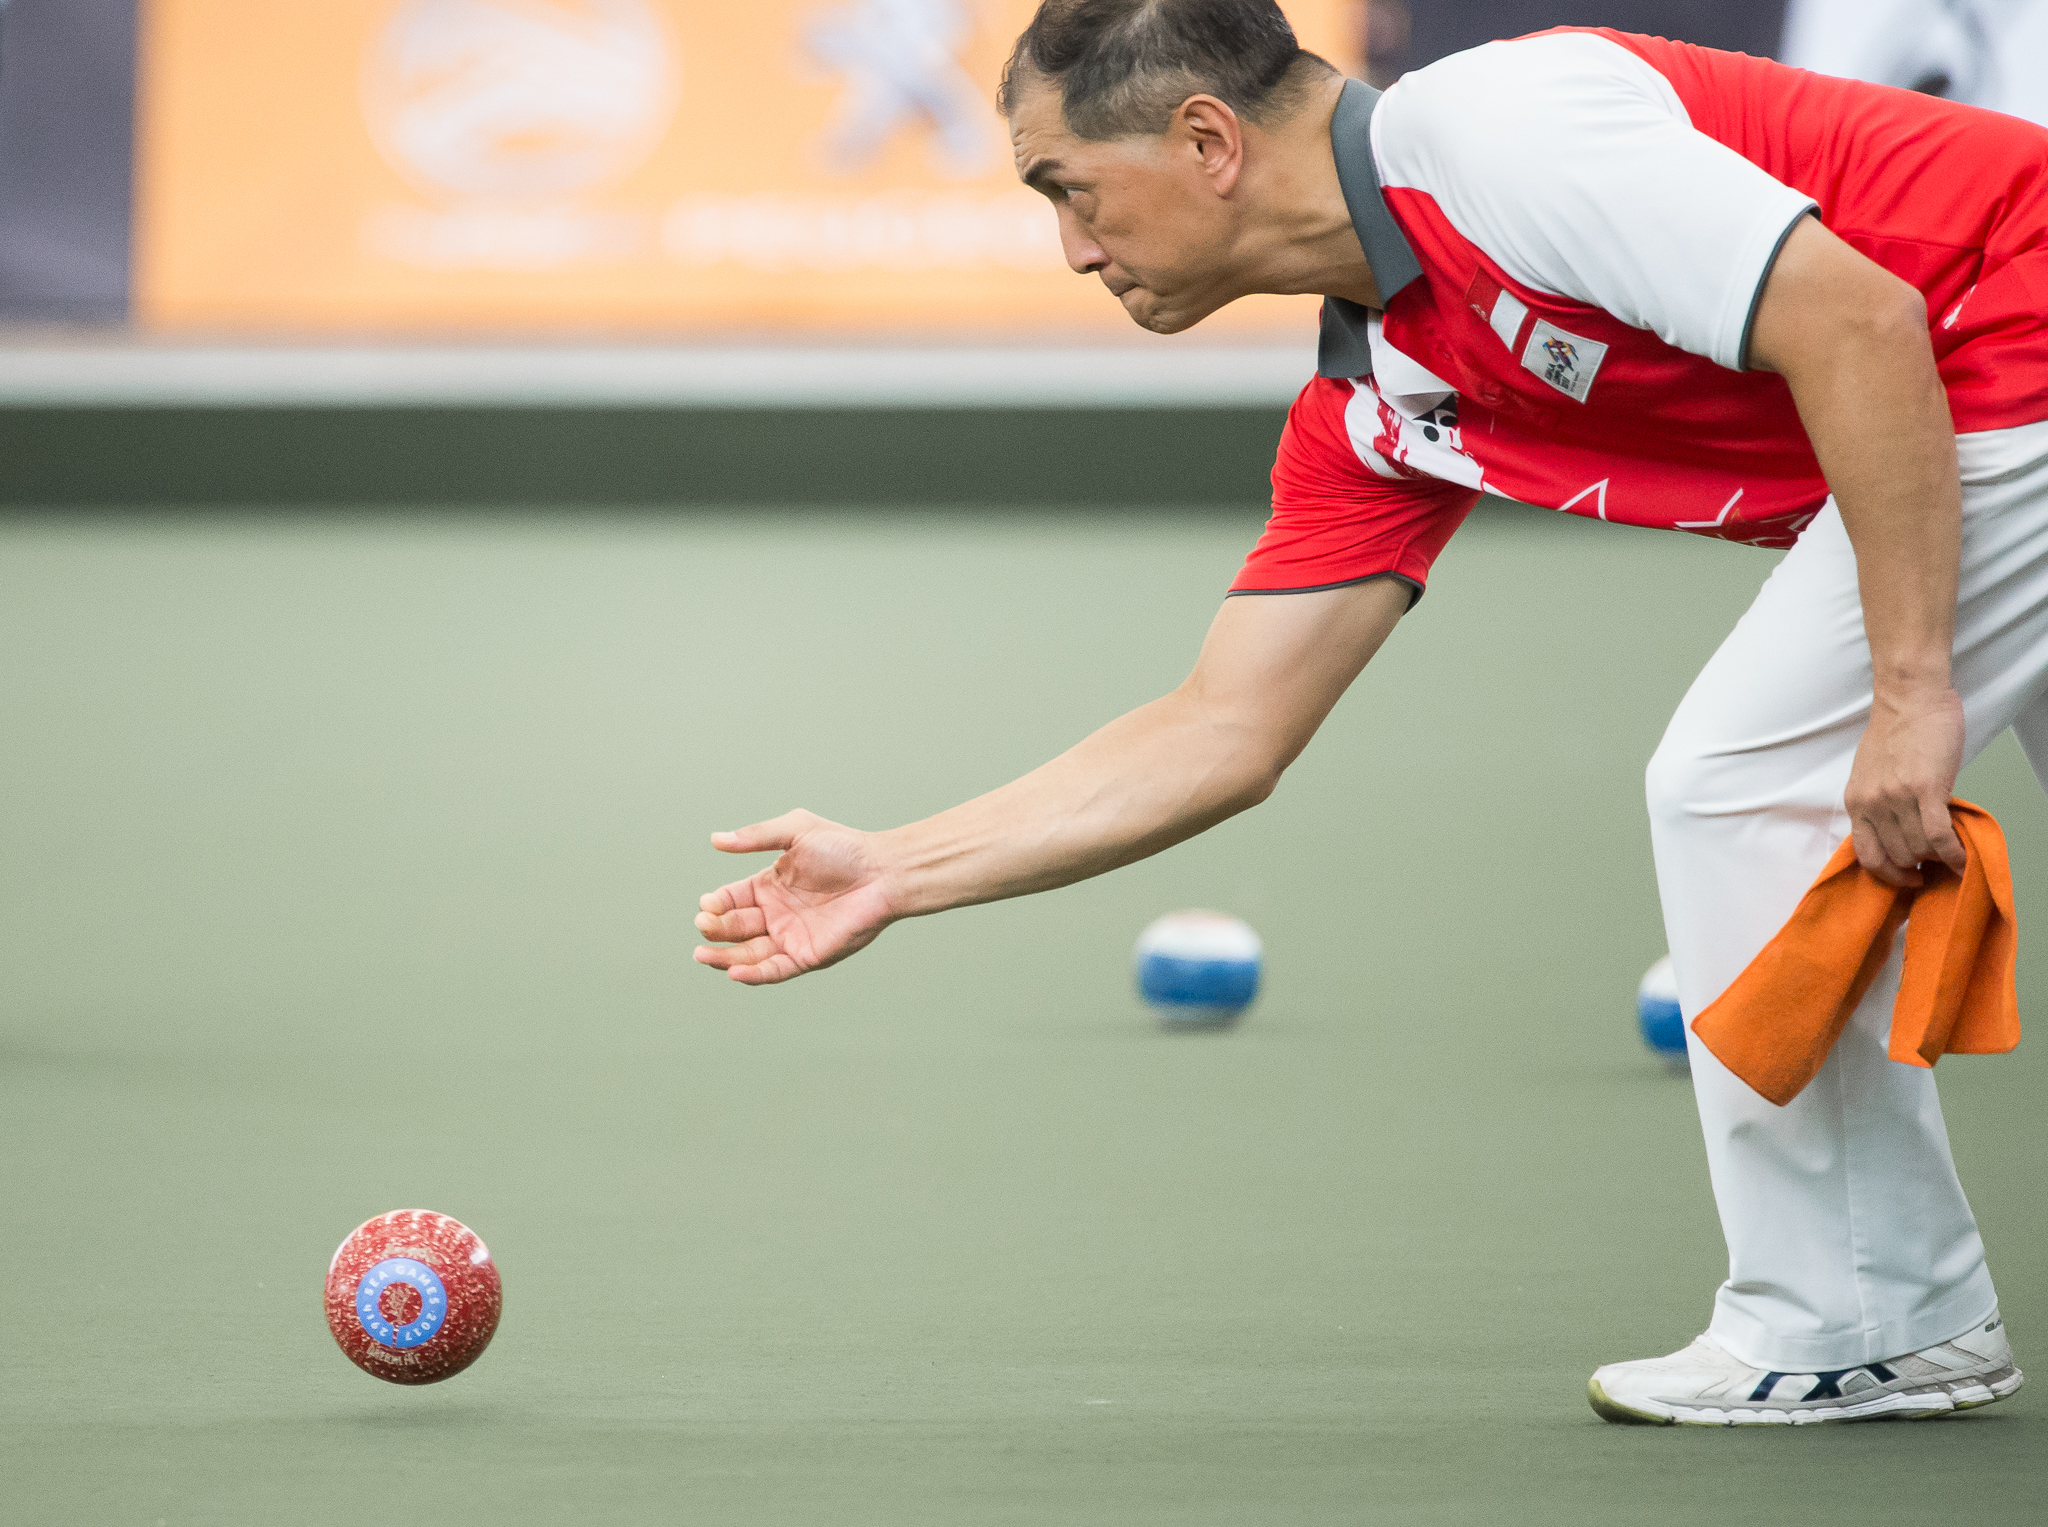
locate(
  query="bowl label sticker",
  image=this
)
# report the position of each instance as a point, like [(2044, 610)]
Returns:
[(401, 1302)]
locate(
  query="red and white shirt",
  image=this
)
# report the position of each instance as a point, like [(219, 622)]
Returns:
[(1570, 232)]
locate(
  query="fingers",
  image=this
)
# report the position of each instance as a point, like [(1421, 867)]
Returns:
[(1872, 854), (732, 916), (1942, 842), (721, 901), (757, 962), (764, 837), (747, 952), (731, 927), (776, 968), (740, 929), (1893, 843), (1898, 788), (725, 956), (1896, 837)]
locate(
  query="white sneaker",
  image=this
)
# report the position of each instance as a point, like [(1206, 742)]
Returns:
[(1705, 1385)]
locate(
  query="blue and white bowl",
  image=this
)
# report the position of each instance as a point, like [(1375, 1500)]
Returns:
[(1198, 969), (1657, 1015)]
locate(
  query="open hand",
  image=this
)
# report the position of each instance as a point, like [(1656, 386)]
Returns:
[(819, 902), (1899, 787)]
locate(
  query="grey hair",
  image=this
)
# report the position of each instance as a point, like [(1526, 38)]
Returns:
[(1123, 66)]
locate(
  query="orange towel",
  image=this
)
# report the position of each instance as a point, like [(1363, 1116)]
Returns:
[(1775, 1025)]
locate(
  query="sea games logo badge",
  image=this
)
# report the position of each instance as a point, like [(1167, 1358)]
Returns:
[(401, 1302), (1566, 361)]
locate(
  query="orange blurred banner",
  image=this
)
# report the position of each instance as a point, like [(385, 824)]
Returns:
[(650, 165)]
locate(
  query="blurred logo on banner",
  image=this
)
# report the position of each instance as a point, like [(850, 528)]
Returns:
[(617, 164), (899, 64), (898, 71), (513, 107), (515, 98)]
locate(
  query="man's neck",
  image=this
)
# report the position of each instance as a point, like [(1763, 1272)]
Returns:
[(1298, 236)]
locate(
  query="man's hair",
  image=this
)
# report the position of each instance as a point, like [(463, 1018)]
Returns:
[(1122, 66)]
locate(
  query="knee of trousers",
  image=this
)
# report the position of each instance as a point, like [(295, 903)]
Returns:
[(1681, 789), (1696, 790)]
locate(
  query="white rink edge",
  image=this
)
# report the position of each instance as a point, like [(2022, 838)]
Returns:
[(697, 376)]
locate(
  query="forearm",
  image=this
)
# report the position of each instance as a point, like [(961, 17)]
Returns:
[(1270, 670), (1146, 781)]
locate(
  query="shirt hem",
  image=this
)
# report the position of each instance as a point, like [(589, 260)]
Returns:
[(1415, 588)]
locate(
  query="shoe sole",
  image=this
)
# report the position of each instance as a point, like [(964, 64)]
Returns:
[(1969, 1393)]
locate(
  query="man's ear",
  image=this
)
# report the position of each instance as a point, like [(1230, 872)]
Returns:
[(1210, 130)]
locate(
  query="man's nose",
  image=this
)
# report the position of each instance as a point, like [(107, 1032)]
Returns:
[(1084, 256)]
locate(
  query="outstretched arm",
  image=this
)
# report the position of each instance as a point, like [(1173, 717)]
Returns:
[(1851, 340), (1269, 672)]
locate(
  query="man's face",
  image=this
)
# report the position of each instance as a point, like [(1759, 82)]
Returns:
[(1141, 213)]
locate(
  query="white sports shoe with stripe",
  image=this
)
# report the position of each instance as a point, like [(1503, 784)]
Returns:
[(1705, 1385)]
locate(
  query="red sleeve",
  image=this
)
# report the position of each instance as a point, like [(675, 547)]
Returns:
[(1337, 521)]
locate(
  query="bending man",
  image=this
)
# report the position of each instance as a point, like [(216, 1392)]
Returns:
[(1642, 282)]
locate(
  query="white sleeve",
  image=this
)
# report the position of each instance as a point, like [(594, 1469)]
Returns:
[(1572, 163)]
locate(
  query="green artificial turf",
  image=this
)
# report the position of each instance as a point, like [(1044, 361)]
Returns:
[(347, 865)]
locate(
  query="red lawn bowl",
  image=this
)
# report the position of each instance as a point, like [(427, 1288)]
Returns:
[(413, 1296)]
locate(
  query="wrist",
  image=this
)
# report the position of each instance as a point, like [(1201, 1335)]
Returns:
[(905, 883), (1908, 683), (1909, 699)]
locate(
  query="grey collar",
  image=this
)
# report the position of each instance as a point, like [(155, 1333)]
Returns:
[(1342, 350)]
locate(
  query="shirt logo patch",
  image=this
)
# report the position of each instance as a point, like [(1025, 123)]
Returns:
[(1566, 361)]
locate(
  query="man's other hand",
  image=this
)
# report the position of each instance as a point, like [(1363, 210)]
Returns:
[(1899, 787), (819, 902)]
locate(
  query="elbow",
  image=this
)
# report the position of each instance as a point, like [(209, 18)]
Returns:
[(1877, 329), (1257, 775), (1235, 779), (1256, 787), (1238, 751), (1892, 315)]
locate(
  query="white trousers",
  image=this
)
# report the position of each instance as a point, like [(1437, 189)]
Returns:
[(1849, 1238)]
